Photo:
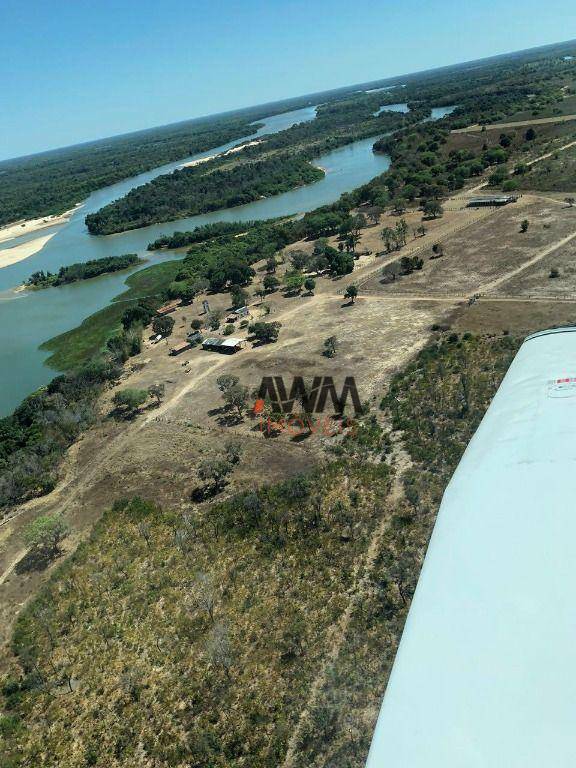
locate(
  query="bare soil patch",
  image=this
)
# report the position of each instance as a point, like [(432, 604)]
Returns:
[(515, 316), (485, 251), (536, 282)]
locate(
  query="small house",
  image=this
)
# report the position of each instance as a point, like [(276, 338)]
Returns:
[(227, 346), (237, 314)]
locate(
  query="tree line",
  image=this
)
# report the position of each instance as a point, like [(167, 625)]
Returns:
[(198, 189), (83, 270)]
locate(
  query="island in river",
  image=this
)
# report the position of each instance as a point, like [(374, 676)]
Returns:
[(85, 270)]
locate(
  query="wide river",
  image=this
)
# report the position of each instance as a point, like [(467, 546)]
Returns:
[(29, 319)]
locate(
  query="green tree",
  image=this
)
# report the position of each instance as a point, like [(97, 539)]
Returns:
[(299, 259), (401, 231), (137, 315), (351, 241), (163, 325), (341, 263), (351, 293), (310, 285), (157, 391), (46, 533), (389, 237), (433, 208), (226, 381), (129, 400), (270, 283), (214, 319), (213, 472), (239, 297), (524, 225), (530, 134), (236, 397), (293, 282), (265, 333)]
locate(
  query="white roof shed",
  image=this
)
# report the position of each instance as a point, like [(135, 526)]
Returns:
[(485, 675)]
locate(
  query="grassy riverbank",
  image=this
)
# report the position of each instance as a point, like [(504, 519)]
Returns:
[(71, 349)]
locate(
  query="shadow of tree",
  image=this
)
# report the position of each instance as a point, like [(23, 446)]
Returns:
[(35, 560)]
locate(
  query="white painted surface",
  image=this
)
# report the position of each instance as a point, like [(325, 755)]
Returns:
[(485, 676)]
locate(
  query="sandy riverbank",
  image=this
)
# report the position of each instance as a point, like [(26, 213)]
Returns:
[(223, 154), (19, 228), (11, 254), (23, 251)]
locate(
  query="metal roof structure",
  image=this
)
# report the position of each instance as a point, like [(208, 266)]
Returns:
[(485, 674), (492, 200), (228, 342)]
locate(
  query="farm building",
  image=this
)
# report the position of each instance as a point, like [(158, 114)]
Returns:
[(484, 676), (166, 309), (493, 200), (227, 346), (237, 314), (182, 347)]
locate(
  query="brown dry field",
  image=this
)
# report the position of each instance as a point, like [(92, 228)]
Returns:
[(546, 132), (536, 282), (526, 121), (516, 317), (486, 251), (156, 454)]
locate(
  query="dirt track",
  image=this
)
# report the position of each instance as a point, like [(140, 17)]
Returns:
[(535, 121)]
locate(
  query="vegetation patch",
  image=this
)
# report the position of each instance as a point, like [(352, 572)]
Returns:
[(71, 349), (200, 189), (85, 270), (195, 636), (556, 174), (435, 404)]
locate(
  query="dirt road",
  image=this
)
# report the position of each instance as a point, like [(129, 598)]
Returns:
[(496, 126)]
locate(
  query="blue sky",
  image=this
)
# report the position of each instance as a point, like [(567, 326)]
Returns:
[(75, 70)]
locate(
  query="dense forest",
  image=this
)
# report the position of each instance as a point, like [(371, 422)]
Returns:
[(484, 94), (83, 270), (276, 164), (193, 190), (55, 181)]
